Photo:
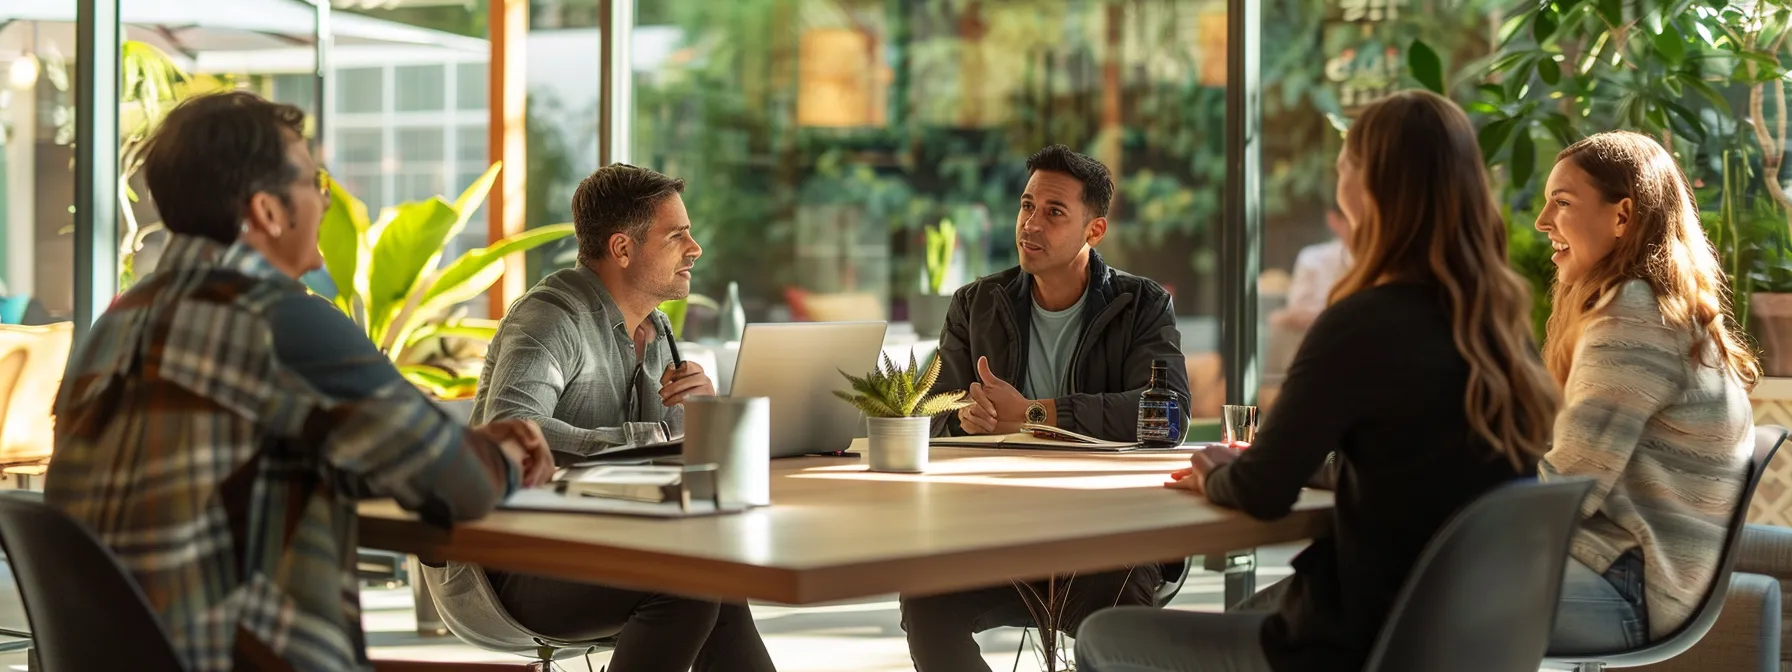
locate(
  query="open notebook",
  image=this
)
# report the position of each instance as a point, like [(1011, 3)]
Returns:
[(1035, 437)]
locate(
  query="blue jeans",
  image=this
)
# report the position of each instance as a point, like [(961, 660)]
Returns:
[(1142, 639), (1601, 613)]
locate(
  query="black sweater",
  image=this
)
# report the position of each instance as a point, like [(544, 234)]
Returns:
[(1378, 380)]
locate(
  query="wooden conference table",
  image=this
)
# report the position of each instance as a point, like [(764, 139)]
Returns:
[(834, 531)]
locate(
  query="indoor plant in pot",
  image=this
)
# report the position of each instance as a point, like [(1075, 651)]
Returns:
[(927, 309), (900, 411)]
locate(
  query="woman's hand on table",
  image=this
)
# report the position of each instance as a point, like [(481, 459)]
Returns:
[(1202, 462)]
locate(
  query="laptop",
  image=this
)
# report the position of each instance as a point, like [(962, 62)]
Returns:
[(798, 366)]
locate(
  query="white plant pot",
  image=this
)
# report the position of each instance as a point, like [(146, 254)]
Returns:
[(898, 444)]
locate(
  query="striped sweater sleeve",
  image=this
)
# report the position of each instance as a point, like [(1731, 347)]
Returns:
[(1628, 366)]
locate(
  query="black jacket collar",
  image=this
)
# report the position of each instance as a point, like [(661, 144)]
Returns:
[(1095, 298)]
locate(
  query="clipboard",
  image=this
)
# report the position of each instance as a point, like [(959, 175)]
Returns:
[(626, 454)]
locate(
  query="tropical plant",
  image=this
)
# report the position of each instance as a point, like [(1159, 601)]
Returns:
[(942, 241), (1748, 230), (1705, 79), (387, 278), (891, 392)]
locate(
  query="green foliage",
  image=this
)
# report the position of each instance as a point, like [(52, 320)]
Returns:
[(388, 275), (1748, 229), (1676, 71), (942, 240), (1426, 67), (1528, 251), (891, 392), (724, 117)]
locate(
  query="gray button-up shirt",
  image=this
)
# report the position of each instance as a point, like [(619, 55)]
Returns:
[(563, 358)]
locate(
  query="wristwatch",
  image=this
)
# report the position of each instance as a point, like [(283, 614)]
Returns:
[(1036, 413)]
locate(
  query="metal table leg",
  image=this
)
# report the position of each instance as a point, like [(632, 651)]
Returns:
[(1240, 570)]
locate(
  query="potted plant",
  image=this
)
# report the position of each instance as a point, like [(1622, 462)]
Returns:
[(389, 279), (927, 309), (900, 412), (1761, 292)]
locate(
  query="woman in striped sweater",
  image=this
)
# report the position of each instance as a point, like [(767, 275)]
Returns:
[(1655, 386)]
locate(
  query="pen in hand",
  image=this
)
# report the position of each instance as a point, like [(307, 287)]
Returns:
[(682, 379)]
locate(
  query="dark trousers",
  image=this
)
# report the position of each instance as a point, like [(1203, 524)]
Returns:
[(655, 633), (939, 627)]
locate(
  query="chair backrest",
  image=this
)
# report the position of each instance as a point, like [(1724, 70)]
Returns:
[(469, 606), (86, 612), (1767, 442), (1174, 574), (1482, 597)]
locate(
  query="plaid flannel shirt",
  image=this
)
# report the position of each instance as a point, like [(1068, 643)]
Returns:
[(215, 432)]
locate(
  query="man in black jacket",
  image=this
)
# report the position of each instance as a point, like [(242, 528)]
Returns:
[(1062, 340)]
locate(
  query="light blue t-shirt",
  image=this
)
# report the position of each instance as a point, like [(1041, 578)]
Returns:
[(1054, 338)]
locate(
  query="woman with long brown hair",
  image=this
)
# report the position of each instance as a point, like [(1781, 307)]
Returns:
[(1654, 385), (1421, 377)]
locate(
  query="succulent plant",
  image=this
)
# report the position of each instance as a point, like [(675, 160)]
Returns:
[(892, 392)]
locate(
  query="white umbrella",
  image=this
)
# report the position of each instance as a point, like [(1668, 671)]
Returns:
[(191, 27)]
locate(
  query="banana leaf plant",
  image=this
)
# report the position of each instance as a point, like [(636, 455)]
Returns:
[(391, 281)]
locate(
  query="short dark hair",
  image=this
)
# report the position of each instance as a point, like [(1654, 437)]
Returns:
[(212, 153), (618, 198), (1098, 182)]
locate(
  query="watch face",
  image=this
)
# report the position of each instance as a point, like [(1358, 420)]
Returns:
[(1036, 413)]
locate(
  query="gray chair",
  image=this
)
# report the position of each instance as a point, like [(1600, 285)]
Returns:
[(1767, 441), (469, 606), (1483, 595)]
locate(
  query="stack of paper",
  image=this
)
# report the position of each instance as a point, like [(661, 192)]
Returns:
[(644, 483)]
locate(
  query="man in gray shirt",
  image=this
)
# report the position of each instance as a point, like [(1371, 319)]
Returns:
[(588, 357)]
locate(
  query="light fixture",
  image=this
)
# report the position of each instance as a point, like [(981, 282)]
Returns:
[(23, 72)]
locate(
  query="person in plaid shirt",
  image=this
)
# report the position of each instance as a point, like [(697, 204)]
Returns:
[(219, 424)]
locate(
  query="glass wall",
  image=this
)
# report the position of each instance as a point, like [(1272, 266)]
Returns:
[(562, 82), (823, 140), (37, 130), (168, 60), (1322, 61), (410, 130)]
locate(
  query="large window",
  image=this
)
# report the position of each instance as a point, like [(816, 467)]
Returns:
[(562, 85), (822, 140), (415, 132), (37, 125)]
